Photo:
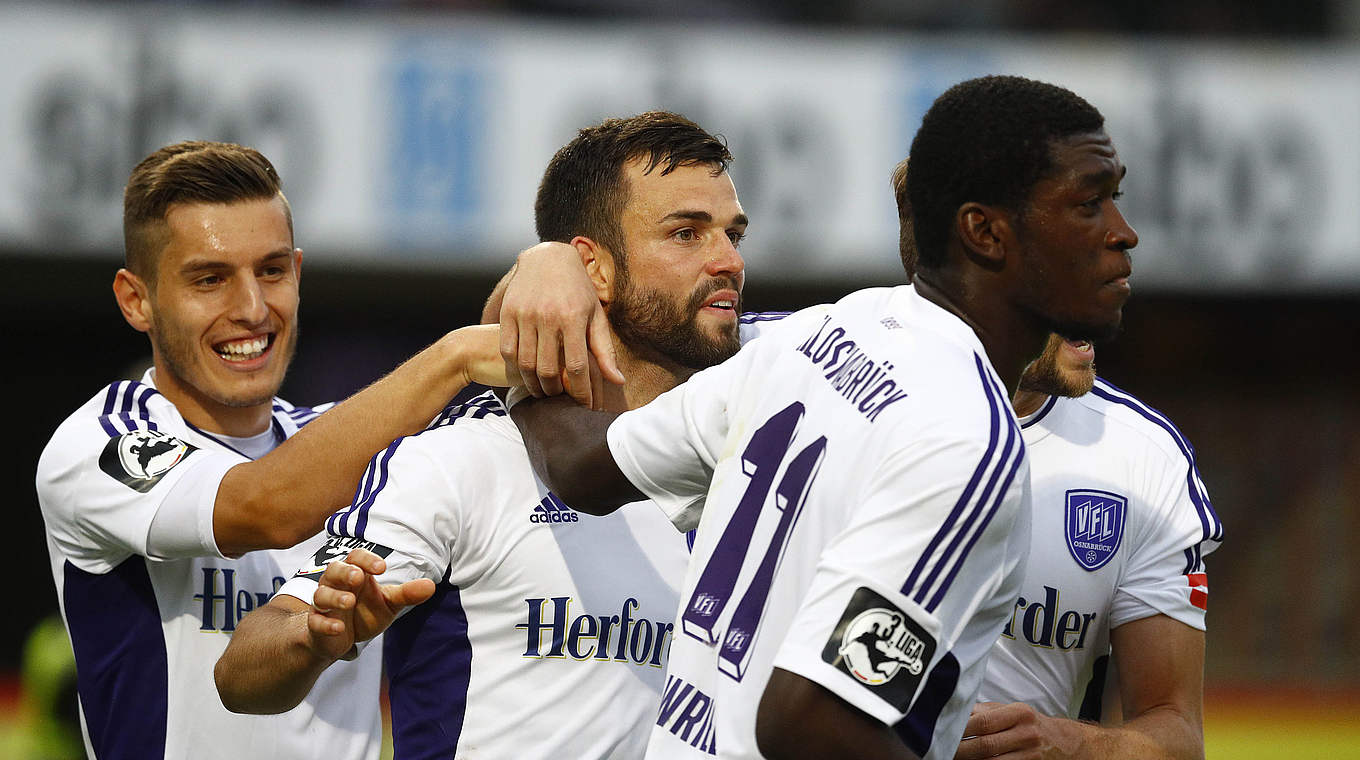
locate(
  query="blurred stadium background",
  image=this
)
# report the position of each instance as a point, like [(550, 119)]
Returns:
[(410, 136)]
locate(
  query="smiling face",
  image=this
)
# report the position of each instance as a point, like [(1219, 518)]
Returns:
[(677, 286), (222, 316), (1074, 241)]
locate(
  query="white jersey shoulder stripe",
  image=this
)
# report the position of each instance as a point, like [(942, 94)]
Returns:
[(762, 316), (975, 508), (125, 408), (487, 404), (1213, 527), (351, 521)]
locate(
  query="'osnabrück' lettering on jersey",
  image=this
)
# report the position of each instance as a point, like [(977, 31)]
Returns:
[(864, 382)]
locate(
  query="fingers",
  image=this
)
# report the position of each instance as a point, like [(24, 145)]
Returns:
[(548, 372), (526, 359), (366, 561), (602, 346), (410, 593), (576, 366)]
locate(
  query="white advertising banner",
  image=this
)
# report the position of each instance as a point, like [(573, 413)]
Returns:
[(418, 140)]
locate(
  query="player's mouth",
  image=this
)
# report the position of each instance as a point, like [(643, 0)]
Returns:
[(244, 350), (1082, 350), (723, 302)]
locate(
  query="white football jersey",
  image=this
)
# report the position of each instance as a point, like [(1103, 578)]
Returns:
[(548, 635), (1121, 525), (861, 495), (149, 621)]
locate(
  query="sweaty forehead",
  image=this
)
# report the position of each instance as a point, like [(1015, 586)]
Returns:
[(1086, 157)]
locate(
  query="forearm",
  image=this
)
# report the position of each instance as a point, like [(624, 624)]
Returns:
[(799, 719), (569, 452), (268, 667), (283, 497), (1163, 733)]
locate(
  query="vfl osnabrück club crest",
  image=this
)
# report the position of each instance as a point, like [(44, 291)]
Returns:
[(139, 459), (1094, 526)]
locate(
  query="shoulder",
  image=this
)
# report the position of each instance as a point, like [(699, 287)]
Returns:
[(118, 409), (1130, 417), (300, 415)]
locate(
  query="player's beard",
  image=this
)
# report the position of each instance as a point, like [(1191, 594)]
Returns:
[(1047, 375), (650, 322)]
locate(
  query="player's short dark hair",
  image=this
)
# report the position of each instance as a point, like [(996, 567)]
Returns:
[(583, 191), (986, 140), (906, 233), (194, 171)]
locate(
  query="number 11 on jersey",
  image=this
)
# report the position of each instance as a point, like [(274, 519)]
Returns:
[(768, 448)]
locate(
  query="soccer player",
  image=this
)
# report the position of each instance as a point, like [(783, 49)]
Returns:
[(549, 630), (171, 503), (856, 474), (1121, 524)]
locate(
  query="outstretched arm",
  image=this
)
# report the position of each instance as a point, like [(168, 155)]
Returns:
[(798, 718), (1161, 667), (280, 649), (569, 452), (283, 497)]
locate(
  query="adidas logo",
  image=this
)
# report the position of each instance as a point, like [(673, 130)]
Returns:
[(552, 510)]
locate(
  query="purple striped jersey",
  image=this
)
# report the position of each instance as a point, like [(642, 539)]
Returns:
[(549, 630), (150, 612), (1121, 524), (860, 491)]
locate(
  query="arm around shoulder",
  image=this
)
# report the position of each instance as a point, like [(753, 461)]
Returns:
[(282, 498)]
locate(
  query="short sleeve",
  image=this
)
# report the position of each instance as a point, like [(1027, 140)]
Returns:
[(406, 511), (100, 494), (1166, 573), (669, 447), (918, 580)]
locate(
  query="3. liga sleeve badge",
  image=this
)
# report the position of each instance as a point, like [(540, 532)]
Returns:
[(1094, 526), (881, 647), (140, 459)]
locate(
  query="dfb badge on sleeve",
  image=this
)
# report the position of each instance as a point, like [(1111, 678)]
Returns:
[(881, 647), (140, 459), (336, 548)]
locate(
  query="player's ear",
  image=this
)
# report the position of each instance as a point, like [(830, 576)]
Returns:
[(985, 231), (134, 299), (600, 266)]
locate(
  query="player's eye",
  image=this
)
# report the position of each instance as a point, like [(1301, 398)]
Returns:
[(208, 280), (685, 235), (736, 237)]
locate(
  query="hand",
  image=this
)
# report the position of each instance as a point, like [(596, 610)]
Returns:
[(1010, 731), (351, 606), (552, 324)]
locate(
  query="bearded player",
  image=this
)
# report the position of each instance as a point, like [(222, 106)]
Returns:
[(549, 630)]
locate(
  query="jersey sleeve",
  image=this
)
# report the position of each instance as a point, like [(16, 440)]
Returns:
[(912, 591), (1166, 574), (100, 493), (669, 447), (407, 511)]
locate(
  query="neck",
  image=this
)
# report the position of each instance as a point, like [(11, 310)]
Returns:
[(209, 415), (1008, 335), (647, 379), (1026, 403)]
